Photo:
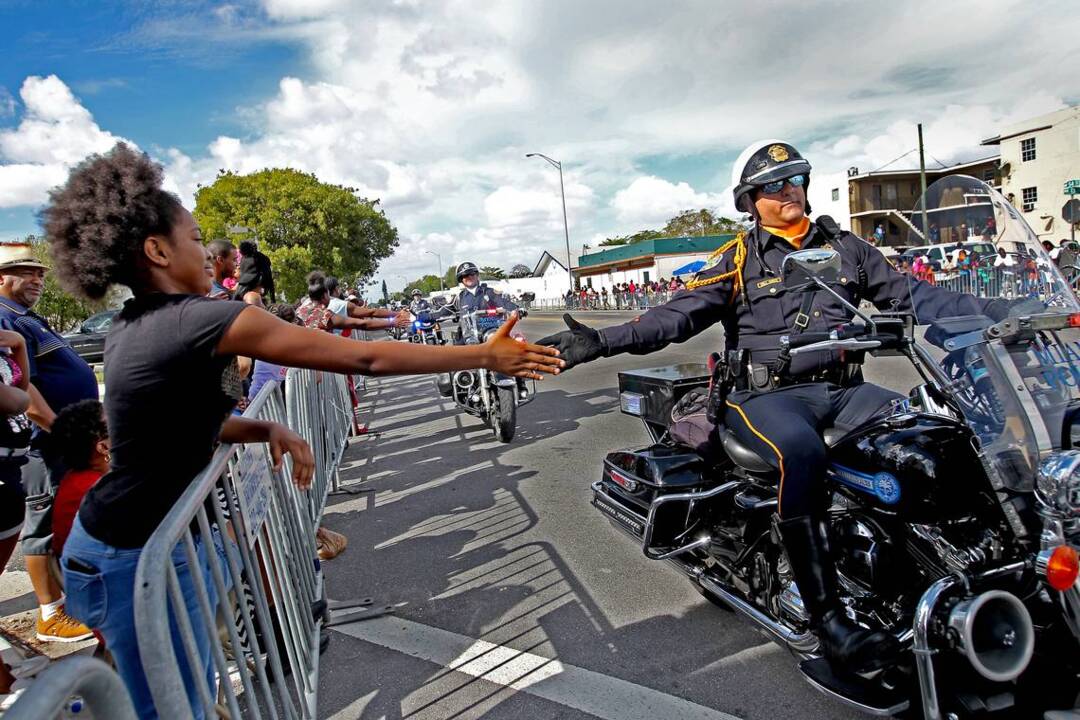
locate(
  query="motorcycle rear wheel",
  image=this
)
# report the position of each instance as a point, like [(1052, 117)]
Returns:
[(504, 421)]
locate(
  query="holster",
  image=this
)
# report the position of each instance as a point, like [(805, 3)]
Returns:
[(728, 374)]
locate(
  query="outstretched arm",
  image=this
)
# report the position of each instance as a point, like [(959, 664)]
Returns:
[(259, 334)]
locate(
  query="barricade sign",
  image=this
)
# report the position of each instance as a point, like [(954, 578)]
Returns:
[(254, 471)]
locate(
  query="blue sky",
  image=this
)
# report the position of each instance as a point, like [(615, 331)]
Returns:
[(431, 106)]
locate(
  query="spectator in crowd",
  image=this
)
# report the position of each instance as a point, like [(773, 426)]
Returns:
[(1066, 254), (314, 311), (82, 440), (878, 238), (172, 347), (58, 377), (378, 318), (604, 297), (223, 255), (935, 233), (266, 371), (15, 438), (256, 274), (1003, 259)]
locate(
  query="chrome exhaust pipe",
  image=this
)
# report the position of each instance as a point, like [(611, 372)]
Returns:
[(804, 643)]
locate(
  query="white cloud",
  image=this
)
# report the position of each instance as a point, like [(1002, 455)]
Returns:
[(7, 103), (650, 201), (55, 132), (431, 106)]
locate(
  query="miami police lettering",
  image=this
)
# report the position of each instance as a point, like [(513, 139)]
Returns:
[(1060, 362)]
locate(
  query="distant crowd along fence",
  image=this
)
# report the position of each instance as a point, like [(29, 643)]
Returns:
[(613, 301), (233, 630)]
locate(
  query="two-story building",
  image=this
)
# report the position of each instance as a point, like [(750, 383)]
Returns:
[(887, 197), (1038, 156)]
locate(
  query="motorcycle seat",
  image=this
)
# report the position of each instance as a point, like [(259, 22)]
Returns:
[(749, 459)]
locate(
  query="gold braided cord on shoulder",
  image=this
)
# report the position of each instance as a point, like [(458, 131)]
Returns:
[(739, 243)]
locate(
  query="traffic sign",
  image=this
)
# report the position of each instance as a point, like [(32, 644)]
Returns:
[(1070, 211), (1072, 187)]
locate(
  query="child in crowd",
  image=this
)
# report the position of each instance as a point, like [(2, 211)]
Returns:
[(81, 437)]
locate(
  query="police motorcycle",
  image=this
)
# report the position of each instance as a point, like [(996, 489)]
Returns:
[(954, 515), (491, 396), (425, 330)]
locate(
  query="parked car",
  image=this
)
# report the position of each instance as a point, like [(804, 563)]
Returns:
[(89, 340)]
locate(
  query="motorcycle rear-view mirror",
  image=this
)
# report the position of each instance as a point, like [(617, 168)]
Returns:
[(804, 269)]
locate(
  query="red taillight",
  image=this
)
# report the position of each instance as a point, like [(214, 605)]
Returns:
[(1062, 568), (1074, 320), (622, 481), (492, 311)]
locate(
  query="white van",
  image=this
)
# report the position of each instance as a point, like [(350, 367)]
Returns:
[(938, 253)]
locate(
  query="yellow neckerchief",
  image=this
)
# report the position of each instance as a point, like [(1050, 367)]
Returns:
[(794, 233)]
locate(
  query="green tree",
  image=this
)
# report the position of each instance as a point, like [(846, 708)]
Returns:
[(385, 295), (291, 264), (491, 272), (281, 208), (699, 222), (451, 277), (520, 270), (639, 236)]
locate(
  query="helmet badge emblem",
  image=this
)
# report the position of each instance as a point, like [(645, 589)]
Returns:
[(778, 153)]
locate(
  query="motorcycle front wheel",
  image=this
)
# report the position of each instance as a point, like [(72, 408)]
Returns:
[(504, 421)]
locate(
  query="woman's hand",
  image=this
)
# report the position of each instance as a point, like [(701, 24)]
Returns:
[(284, 441), (521, 359)]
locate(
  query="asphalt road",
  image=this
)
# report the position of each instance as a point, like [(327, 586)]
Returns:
[(514, 597)]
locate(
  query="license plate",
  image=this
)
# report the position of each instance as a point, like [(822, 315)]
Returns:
[(619, 515)]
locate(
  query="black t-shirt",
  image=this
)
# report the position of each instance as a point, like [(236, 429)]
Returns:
[(167, 393)]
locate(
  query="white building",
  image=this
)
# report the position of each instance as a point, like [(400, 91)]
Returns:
[(1038, 156)]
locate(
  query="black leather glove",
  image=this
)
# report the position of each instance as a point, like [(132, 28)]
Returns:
[(579, 344), (998, 310)]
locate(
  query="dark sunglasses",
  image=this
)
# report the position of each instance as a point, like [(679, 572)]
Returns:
[(778, 185)]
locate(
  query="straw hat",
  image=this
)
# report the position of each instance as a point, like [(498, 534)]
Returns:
[(18, 255)]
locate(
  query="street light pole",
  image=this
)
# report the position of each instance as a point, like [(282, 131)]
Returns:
[(439, 258), (566, 226)]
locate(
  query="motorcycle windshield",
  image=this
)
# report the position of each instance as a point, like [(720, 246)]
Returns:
[(1014, 392), (977, 242), (1016, 396)]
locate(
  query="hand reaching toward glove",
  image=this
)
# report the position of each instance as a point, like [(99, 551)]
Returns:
[(579, 344)]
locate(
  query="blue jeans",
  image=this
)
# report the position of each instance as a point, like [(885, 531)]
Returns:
[(105, 601)]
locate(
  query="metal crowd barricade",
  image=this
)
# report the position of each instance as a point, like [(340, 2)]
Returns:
[(97, 686), (320, 409), (256, 591)]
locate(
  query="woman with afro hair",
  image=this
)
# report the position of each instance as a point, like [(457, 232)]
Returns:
[(172, 382)]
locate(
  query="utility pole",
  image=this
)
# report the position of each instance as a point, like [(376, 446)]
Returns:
[(922, 183), (566, 226)]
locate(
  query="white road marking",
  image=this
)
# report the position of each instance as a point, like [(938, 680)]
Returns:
[(585, 690)]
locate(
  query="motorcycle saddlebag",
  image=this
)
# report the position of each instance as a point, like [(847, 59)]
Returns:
[(633, 479), (651, 393)]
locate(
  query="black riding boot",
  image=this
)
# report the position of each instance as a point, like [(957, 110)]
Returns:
[(846, 645)]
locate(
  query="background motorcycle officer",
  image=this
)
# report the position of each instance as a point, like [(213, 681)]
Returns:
[(476, 295), (780, 408)]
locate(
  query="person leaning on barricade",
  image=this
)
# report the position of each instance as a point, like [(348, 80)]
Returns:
[(172, 383)]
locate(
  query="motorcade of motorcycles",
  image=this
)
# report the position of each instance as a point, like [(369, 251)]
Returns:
[(954, 516), (424, 329), (491, 396)]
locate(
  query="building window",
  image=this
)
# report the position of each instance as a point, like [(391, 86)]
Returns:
[(835, 194), (1030, 196), (988, 175), (1027, 150)]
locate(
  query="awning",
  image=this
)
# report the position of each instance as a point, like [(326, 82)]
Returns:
[(690, 268)]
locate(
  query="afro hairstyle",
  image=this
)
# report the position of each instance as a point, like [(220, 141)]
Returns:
[(96, 222)]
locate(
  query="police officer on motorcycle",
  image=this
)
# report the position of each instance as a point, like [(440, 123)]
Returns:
[(780, 405), (418, 304), (476, 295)]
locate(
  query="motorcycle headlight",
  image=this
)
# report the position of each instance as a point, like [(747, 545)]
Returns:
[(1057, 483)]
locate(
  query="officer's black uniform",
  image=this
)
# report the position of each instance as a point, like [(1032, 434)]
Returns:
[(742, 290)]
